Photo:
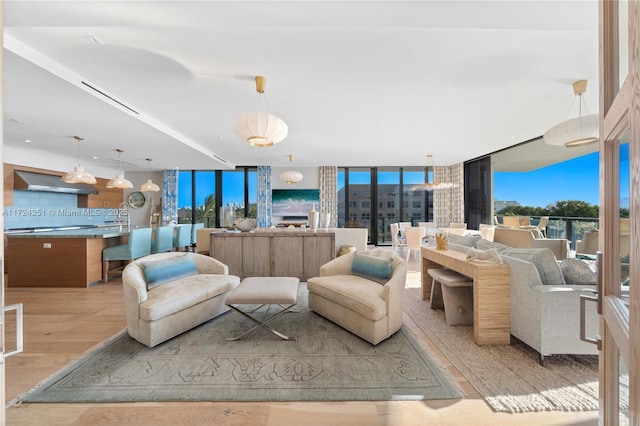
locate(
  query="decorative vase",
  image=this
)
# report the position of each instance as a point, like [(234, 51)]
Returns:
[(314, 218), (227, 216), (325, 219)]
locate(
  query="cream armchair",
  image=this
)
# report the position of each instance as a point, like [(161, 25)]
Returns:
[(365, 307), (547, 317), (522, 238)]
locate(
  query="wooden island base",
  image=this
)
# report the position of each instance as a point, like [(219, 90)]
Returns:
[(69, 262)]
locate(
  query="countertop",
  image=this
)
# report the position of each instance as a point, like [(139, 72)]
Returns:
[(109, 232)]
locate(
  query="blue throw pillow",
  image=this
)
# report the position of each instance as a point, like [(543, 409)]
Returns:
[(158, 272), (374, 268)]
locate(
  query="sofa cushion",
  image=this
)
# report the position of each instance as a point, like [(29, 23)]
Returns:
[(182, 293), (578, 271), (464, 240), (375, 268), (157, 272), (486, 244), (544, 261), (359, 294)]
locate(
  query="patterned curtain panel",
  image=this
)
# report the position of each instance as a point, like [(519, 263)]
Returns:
[(264, 196), (170, 196), (448, 204), (329, 193)]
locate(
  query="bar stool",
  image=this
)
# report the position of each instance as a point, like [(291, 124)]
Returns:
[(139, 245), (453, 292), (182, 237), (194, 232), (162, 239)]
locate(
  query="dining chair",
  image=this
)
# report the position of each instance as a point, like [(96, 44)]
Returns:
[(542, 226), (396, 240), (457, 225), (487, 231), (182, 237), (194, 235), (162, 240), (139, 245), (403, 225), (512, 221), (414, 239), (430, 228)]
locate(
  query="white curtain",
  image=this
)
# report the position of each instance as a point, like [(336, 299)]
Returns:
[(448, 203)]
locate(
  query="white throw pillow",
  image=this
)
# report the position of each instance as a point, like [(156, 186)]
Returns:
[(578, 271)]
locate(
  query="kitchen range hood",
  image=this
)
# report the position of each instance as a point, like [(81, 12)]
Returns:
[(31, 181)]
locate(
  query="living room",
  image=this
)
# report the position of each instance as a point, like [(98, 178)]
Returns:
[(176, 106)]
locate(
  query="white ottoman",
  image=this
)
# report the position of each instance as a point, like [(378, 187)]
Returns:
[(282, 291)]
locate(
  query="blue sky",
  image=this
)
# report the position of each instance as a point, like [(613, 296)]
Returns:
[(576, 179)]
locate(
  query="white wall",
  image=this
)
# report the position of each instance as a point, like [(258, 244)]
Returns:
[(140, 217), (310, 180)]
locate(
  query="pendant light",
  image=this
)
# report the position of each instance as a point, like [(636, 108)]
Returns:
[(430, 186), (78, 175), (149, 186), (260, 128), (291, 176), (119, 181), (582, 130)]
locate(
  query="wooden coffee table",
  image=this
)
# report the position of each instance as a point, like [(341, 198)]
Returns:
[(282, 291)]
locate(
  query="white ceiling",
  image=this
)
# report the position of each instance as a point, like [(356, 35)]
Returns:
[(360, 83)]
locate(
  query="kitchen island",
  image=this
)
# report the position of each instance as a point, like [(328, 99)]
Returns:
[(64, 258)]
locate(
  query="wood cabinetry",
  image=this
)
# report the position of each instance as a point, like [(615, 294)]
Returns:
[(105, 198), (50, 261), (273, 254)]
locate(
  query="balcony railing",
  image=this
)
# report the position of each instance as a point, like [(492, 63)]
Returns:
[(571, 228)]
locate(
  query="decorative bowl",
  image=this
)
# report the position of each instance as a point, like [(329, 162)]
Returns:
[(246, 225)]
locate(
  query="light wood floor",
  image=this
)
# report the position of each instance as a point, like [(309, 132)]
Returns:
[(63, 324)]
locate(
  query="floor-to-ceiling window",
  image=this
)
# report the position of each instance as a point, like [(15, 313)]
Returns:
[(375, 197), (201, 193)]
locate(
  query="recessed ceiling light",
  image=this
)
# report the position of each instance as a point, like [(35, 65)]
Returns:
[(94, 157), (93, 39), (28, 140)]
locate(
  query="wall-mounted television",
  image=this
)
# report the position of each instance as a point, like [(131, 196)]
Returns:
[(294, 203)]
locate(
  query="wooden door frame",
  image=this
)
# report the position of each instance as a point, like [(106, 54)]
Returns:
[(619, 110)]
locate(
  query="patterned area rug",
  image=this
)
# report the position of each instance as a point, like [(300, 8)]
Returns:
[(324, 363), (510, 378)]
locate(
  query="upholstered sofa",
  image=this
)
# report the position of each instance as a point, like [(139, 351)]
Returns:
[(544, 309), (169, 293), (523, 238), (368, 308)]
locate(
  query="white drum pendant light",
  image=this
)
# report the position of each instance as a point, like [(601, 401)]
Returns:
[(260, 128), (291, 176), (579, 131)]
